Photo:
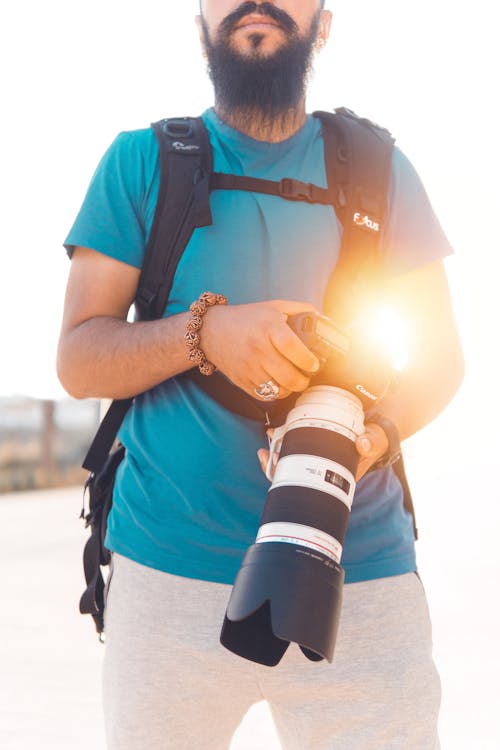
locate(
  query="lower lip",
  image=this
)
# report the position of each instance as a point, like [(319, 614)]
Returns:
[(258, 26)]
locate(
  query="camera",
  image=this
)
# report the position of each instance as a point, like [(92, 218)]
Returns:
[(289, 586)]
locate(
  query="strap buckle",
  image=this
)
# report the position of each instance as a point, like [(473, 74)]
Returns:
[(294, 190), (177, 128)]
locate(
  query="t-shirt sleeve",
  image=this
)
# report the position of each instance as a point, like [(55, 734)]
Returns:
[(116, 214), (413, 236)]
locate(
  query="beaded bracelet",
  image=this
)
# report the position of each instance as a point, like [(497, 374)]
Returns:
[(192, 336)]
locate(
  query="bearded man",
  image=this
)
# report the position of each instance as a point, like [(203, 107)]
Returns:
[(189, 493)]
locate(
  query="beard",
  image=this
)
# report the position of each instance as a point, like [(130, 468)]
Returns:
[(257, 85)]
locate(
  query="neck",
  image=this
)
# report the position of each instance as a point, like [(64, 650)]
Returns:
[(253, 124)]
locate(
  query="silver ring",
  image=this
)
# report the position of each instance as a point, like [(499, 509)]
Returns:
[(268, 391)]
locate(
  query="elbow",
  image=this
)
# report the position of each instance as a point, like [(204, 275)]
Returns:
[(71, 387), (68, 375)]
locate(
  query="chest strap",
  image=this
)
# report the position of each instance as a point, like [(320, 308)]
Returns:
[(287, 188)]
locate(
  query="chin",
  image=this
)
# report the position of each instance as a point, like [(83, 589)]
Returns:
[(257, 45), (253, 40)]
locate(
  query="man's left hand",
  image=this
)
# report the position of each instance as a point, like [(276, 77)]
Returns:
[(371, 445)]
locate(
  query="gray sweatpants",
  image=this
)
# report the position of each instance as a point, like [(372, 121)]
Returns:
[(169, 684)]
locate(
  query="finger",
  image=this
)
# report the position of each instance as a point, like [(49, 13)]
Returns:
[(286, 374), (292, 307), (364, 445), (263, 456), (294, 350), (283, 392), (256, 378), (282, 373), (373, 442), (371, 445)]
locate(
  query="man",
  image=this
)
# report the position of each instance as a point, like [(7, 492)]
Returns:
[(189, 494)]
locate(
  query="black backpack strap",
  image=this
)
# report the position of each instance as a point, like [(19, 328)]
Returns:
[(358, 158), (399, 469), (183, 205), (102, 465), (106, 435), (95, 554)]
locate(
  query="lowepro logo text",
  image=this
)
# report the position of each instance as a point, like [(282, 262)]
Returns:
[(183, 147), (365, 221)]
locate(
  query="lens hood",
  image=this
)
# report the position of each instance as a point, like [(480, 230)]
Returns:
[(283, 593)]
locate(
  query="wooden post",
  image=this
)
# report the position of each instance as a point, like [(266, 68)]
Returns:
[(48, 461)]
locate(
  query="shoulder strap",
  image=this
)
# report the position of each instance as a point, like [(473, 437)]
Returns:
[(105, 435), (182, 205), (358, 157)]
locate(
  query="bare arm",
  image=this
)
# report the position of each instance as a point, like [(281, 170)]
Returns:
[(102, 355), (435, 364)]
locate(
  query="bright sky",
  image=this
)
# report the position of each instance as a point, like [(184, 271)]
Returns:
[(78, 73)]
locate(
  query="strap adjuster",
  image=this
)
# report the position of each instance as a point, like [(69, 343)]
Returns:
[(295, 190), (177, 128)]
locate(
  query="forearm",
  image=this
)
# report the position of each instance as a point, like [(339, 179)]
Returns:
[(421, 395), (435, 363), (106, 357)]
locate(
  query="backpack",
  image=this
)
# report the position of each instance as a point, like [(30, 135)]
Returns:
[(358, 157)]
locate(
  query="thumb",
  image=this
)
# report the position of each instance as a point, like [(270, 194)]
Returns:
[(292, 307), (364, 445), (263, 456)]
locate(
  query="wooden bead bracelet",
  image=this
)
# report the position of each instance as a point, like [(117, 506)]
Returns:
[(192, 336)]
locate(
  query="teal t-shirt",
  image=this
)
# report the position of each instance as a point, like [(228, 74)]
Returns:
[(189, 495)]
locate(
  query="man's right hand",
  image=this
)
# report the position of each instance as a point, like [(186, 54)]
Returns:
[(252, 343), (102, 355)]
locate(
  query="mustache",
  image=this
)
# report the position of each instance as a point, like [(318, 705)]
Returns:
[(263, 9)]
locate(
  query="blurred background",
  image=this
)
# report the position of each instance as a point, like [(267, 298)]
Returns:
[(74, 75)]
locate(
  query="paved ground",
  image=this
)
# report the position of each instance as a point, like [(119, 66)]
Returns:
[(50, 659)]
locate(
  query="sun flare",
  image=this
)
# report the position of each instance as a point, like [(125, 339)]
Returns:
[(387, 327)]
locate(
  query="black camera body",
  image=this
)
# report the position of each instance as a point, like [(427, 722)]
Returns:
[(320, 335), (289, 586), (355, 363)]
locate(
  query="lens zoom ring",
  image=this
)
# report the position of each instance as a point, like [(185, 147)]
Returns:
[(309, 507), (314, 441)]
